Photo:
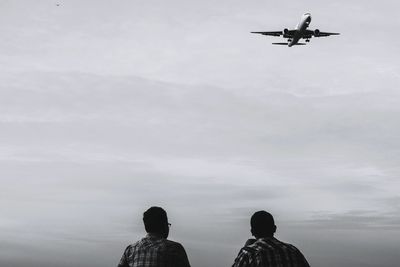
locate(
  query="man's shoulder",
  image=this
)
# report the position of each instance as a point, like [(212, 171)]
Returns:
[(137, 244), (250, 249), (268, 244), (274, 242), (163, 242), (132, 246), (173, 244), (286, 245), (278, 246)]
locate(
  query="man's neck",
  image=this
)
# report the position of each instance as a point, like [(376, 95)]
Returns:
[(155, 235), (267, 236)]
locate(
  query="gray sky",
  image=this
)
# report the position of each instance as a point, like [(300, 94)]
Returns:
[(109, 108)]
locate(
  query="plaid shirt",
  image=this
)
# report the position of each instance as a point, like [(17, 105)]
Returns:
[(154, 251), (270, 252)]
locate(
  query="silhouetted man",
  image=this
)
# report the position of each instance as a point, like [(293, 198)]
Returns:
[(155, 250), (266, 250)]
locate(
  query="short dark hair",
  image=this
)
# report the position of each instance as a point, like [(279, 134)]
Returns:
[(155, 219), (262, 224)]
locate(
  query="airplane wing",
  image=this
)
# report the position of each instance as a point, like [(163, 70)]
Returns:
[(277, 33), (286, 33), (318, 33)]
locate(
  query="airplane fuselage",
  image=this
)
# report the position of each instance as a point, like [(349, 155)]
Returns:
[(300, 29)]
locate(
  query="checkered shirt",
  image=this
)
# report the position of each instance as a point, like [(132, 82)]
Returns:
[(153, 251), (270, 252)]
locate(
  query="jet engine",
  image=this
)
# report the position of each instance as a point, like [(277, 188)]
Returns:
[(316, 32), (285, 33)]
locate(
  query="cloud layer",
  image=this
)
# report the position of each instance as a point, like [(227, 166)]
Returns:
[(83, 155)]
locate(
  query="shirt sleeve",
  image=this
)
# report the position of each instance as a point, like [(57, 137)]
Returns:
[(298, 257), (177, 256), (243, 259), (303, 261), (124, 259)]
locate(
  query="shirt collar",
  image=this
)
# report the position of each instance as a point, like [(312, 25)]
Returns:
[(152, 236)]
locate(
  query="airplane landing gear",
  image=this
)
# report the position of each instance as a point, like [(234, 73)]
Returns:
[(307, 40)]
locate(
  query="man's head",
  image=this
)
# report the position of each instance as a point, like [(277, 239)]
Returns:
[(156, 221), (262, 224)]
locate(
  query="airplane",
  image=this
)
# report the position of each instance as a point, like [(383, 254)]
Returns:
[(299, 32)]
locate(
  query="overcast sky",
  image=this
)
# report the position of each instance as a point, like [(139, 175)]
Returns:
[(109, 107)]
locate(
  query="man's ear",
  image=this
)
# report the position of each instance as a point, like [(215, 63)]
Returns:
[(274, 229), (252, 232)]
